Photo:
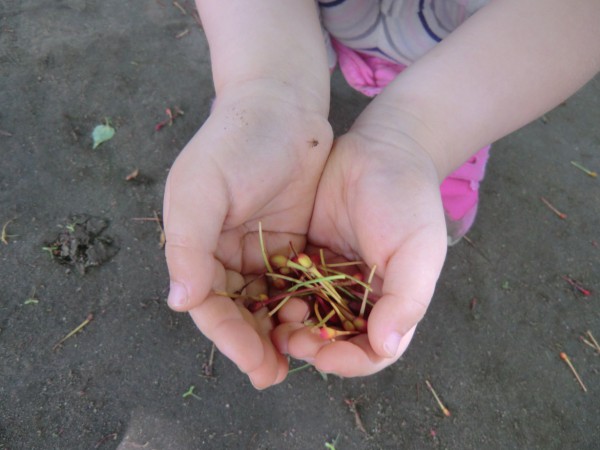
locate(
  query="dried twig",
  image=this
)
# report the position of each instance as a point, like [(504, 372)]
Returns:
[(445, 410), (592, 342), (182, 33), (584, 169), (158, 221), (477, 249), (207, 367), (353, 409), (75, 330), (553, 208), (577, 286), (172, 114), (566, 359), (4, 236), (106, 438), (180, 8)]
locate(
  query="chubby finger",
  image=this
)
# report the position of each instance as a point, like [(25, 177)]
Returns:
[(303, 343), (221, 321), (294, 310), (274, 367), (348, 358), (355, 357), (281, 335), (408, 286), (194, 210), (272, 370)]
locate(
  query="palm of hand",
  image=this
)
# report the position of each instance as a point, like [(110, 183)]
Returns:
[(247, 164)]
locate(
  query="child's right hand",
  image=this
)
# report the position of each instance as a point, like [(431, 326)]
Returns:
[(258, 158)]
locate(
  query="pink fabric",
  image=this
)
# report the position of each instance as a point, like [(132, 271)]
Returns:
[(460, 190), (366, 74)]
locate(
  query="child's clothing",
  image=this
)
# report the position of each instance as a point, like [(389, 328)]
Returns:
[(399, 31), (374, 40)]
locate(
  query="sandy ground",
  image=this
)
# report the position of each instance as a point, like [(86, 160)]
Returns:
[(490, 343)]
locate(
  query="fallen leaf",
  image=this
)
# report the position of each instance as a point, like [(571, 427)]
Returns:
[(102, 133)]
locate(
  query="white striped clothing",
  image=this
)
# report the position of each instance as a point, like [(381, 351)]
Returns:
[(399, 31)]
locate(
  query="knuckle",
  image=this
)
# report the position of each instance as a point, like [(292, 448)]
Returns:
[(176, 241), (418, 308)]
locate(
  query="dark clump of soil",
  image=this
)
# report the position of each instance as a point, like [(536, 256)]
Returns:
[(82, 243)]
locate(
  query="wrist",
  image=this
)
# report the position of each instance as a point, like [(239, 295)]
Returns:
[(267, 40), (397, 130), (311, 100)]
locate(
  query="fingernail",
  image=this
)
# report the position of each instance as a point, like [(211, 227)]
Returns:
[(392, 342), (178, 296)]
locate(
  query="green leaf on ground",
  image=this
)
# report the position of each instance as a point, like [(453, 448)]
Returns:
[(102, 133)]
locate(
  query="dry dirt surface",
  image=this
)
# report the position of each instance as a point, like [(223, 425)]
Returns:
[(490, 344)]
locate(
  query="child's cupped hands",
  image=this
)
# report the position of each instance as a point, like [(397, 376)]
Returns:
[(258, 158)]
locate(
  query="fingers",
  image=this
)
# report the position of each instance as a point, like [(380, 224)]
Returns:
[(235, 332), (355, 357), (221, 321), (281, 337), (194, 210), (294, 310), (348, 358), (291, 318), (273, 369), (408, 286)]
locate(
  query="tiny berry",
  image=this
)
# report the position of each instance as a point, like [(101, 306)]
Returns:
[(349, 326), (279, 284), (361, 324), (279, 261), (305, 261), (327, 333)]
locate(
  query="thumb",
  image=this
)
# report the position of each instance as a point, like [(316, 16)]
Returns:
[(408, 285), (194, 210)]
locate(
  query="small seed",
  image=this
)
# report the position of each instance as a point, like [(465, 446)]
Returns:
[(305, 261), (279, 261), (360, 323), (349, 326), (279, 284)]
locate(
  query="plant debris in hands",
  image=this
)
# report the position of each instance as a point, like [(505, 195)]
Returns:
[(82, 243), (338, 297)]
